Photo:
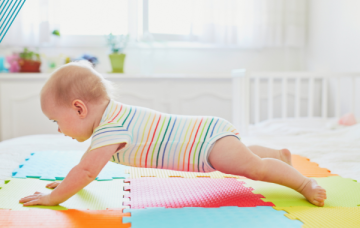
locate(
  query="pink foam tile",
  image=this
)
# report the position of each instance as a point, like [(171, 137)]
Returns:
[(185, 192)]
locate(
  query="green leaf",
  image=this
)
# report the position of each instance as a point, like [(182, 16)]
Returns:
[(56, 32)]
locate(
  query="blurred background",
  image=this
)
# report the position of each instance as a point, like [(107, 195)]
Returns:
[(191, 36), (177, 56)]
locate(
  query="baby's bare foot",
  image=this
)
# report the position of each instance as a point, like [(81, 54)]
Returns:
[(313, 192), (285, 156)]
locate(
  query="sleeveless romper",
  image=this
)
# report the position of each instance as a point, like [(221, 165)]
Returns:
[(159, 140)]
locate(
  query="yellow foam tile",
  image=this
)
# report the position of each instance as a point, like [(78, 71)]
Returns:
[(302, 164), (165, 173), (328, 217), (98, 195)]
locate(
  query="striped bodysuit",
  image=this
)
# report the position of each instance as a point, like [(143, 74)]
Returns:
[(159, 140)]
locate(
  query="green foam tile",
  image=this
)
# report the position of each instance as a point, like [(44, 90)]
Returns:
[(95, 196), (341, 192)]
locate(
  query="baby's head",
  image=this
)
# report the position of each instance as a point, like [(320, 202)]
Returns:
[(75, 96)]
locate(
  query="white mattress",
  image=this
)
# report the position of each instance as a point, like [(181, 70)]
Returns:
[(331, 146)]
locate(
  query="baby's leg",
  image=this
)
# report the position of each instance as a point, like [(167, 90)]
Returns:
[(264, 152), (229, 155)]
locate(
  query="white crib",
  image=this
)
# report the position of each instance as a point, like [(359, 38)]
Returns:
[(331, 94)]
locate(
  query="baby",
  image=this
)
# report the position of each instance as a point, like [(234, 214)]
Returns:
[(78, 99)]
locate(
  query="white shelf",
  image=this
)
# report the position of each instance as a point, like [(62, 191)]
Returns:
[(19, 76)]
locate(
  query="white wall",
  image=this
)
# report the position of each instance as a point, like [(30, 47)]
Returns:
[(334, 44), (334, 35)]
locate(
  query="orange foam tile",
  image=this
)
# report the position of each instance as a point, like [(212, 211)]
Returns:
[(66, 218), (308, 168)]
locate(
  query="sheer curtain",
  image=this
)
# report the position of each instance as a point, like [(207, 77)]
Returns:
[(242, 23), (31, 27), (250, 23), (78, 21)]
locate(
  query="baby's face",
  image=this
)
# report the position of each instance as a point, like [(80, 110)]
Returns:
[(67, 119)]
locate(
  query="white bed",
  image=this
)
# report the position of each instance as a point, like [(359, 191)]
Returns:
[(323, 141)]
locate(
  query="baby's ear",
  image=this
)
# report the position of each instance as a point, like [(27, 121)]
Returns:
[(80, 107)]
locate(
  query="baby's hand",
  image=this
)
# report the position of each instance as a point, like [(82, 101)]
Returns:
[(37, 199), (53, 184)]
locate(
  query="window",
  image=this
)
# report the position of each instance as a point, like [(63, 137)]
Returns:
[(217, 23), (168, 20), (90, 17)]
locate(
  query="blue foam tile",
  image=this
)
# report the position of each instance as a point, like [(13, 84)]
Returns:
[(55, 165), (191, 217)]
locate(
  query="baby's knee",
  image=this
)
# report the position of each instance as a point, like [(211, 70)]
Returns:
[(256, 173)]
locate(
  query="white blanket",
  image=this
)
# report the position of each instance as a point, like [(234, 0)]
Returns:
[(332, 147)]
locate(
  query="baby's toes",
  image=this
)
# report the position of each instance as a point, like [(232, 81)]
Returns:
[(320, 199), (315, 202), (322, 194)]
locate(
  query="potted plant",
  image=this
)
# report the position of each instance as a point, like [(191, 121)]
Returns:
[(117, 57), (29, 61)]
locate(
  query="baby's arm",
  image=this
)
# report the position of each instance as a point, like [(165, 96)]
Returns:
[(80, 176), (87, 151), (56, 183)]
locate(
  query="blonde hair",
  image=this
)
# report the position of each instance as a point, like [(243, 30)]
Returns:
[(78, 80)]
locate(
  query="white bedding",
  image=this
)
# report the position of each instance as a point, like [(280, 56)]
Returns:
[(331, 146), (334, 147)]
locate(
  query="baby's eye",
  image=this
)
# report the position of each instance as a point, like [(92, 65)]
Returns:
[(54, 121)]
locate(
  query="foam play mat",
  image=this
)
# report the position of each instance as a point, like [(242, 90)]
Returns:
[(96, 196), (163, 173), (330, 217), (308, 168), (55, 165), (194, 217), (165, 198), (67, 218), (183, 192), (341, 192), (302, 164)]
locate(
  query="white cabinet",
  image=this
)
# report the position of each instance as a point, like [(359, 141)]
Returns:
[(20, 111)]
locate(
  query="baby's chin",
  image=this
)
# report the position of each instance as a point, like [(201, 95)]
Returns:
[(80, 140)]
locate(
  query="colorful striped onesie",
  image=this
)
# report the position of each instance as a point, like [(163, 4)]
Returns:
[(159, 140)]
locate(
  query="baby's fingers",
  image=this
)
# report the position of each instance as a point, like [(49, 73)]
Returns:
[(53, 185), (27, 199), (32, 202)]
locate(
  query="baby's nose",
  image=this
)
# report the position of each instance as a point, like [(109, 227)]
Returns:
[(59, 130)]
